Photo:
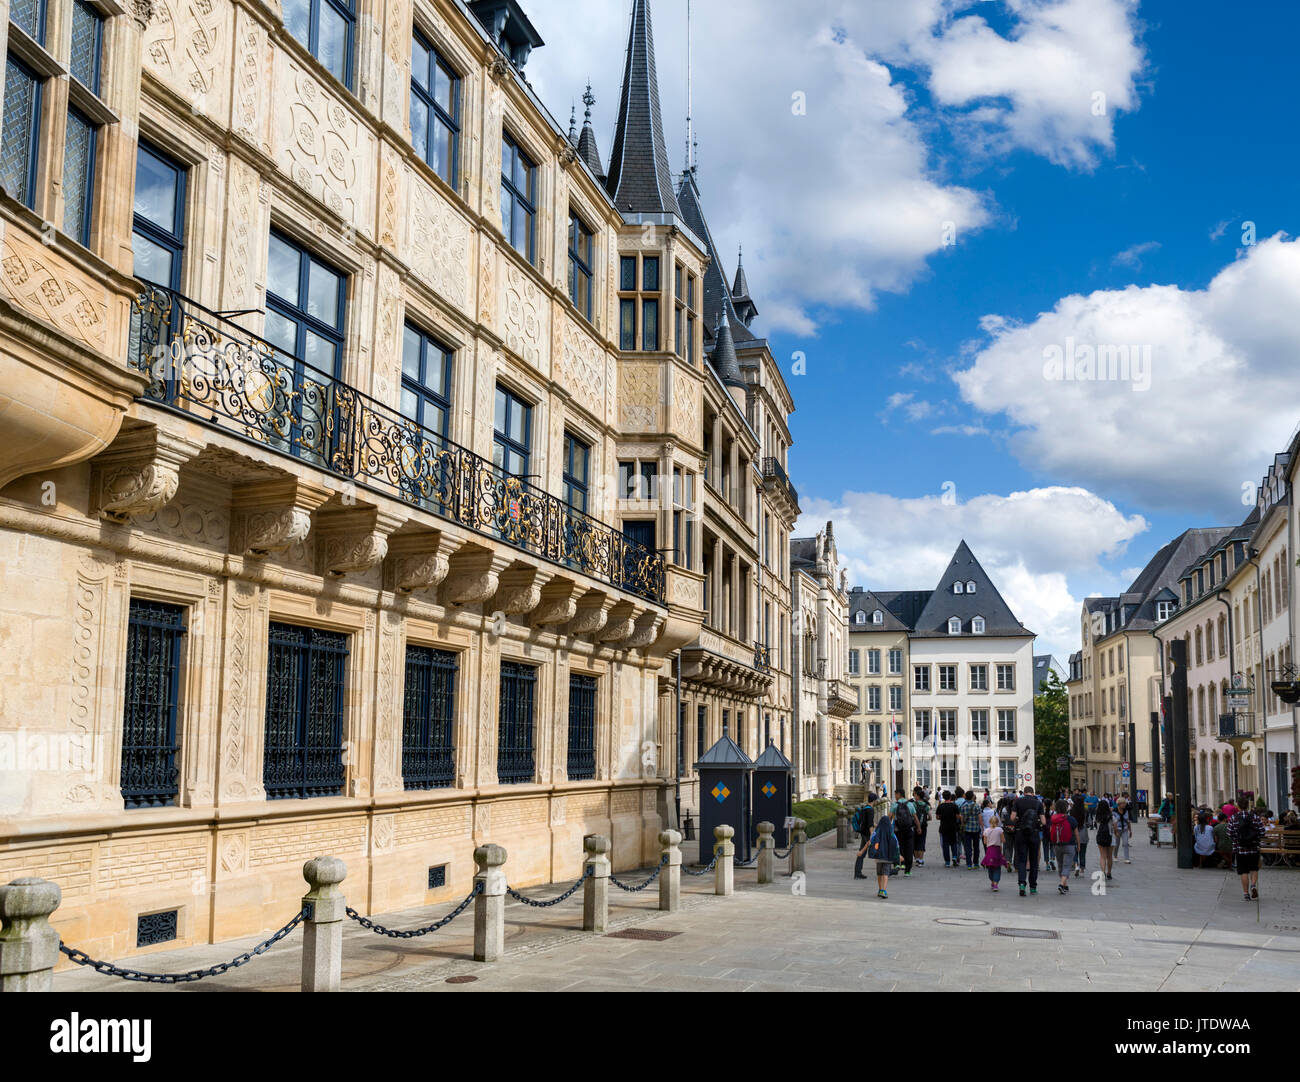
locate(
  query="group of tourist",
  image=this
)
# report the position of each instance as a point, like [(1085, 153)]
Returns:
[(1231, 837), (1011, 832)]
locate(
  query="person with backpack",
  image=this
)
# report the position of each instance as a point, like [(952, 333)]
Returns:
[(970, 821), (1026, 817), (1049, 853), (863, 823), (1123, 827), (922, 806), (905, 830), (1061, 831), (949, 819), (883, 848), (1246, 830), (1105, 838), (993, 860)]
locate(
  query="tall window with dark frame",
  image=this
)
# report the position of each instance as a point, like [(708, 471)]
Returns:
[(426, 381), (701, 721), (683, 516), (80, 139), (512, 433), (518, 198), (515, 724), (582, 727), (158, 240), (626, 304), (30, 16), (87, 45), (581, 245), (650, 305), (435, 109), (19, 144), (303, 746), (577, 467), (149, 737), (429, 718), (326, 28)]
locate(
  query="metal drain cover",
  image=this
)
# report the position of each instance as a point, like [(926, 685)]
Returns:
[(961, 922), (466, 979), (1027, 933), (650, 935)]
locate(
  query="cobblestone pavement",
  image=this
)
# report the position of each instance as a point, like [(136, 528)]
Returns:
[(1155, 928)]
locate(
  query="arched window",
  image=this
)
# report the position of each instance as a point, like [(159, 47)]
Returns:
[(877, 617), (1223, 636), (970, 586), (1209, 639), (954, 626), (1200, 646), (977, 625), (860, 618), (956, 587)]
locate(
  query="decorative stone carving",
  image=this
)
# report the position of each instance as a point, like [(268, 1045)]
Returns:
[(141, 11), (498, 67), (592, 614), (275, 531), (438, 243), (619, 626), (418, 561), (140, 472), (557, 604), (352, 541), (519, 591), (646, 631), (474, 577), (272, 516)]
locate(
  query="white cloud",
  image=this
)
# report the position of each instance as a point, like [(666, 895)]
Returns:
[(841, 204), (959, 430), (1032, 543), (1222, 395), (1131, 256)]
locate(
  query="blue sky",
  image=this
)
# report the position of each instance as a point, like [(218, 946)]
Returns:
[(925, 414)]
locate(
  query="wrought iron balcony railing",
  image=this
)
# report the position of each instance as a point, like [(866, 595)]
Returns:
[(773, 471), (1238, 724), (208, 367)]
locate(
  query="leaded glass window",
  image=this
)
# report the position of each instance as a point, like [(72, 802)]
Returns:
[(22, 110), (78, 176), (30, 15), (87, 43)]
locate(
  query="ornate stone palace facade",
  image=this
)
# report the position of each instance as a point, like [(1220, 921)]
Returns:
[(379, 475)]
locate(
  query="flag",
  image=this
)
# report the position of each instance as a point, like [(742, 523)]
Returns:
[(895, 744)]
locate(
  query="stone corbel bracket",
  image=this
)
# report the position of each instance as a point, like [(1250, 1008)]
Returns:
[(271, 516), (474, 577), (620, 625), (647, 629), (519, 591), (418, 561), (140, 473), (558, 603), (353, 540), (592, 614)]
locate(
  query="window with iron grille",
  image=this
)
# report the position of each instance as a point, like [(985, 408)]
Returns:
[(515, 724), (582, 728), (303, 755), (151, 928), (428, 718), (701, 720), (149, 744)]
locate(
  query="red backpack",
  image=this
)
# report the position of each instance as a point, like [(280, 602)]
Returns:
[(1062, 833)]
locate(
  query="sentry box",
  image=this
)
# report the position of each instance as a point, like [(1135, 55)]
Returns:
[(726, 773), (773, 786)]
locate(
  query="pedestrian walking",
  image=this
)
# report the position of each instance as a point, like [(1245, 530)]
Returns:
[(1026, 816), (993, 860), (1062, 831), (1247, 832), (922, 806), (1123, 828), (1079, 811), (970, 819), (906, 830), (1049, 854), (884, 849), (948, 816), (1105, 838), (864, 823)]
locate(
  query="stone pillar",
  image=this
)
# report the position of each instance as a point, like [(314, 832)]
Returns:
[(29, 947), (595, 892), (766, 853), (322, 935), (719, 618), (724, 872), (670, 877), (841, 828), (797, 842), (490, 904), (733, 615)]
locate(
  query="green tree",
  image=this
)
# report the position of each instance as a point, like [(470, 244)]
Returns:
[(1051, 733)]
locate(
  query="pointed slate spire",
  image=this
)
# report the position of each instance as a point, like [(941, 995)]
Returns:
[(746, 309), (588, 151), (725, 361), (639, 178), (573, 125)]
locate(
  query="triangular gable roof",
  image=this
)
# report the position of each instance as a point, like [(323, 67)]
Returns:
[(726, 752), (772, 759), (999, 620)]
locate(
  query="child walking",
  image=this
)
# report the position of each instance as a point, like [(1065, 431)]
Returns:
[(994, 860)]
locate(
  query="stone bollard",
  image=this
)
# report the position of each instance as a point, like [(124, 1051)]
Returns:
[(841, 828), (670, 876), (595, 891), (29, 947), (490, 904), (797, 841), (724, 872), (322, 928), (766, 853)]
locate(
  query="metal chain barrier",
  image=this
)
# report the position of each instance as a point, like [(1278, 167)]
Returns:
[(781, 856), (379, 929), (705, 870), (110, 970), (554, 901), (746, 863), (653, 876)]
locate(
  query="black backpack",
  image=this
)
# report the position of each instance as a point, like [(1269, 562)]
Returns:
[(1028, 822), (1248, 833), (904, 823)]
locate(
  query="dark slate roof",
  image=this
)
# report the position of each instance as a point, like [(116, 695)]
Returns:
[(1042, 666), (1160, 575), (745, 306), (772, 759), (726, 752), (724, 355), (640, 181), (868, 601), (588, 150), (803, 551), (999, 621), (905, 605)]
